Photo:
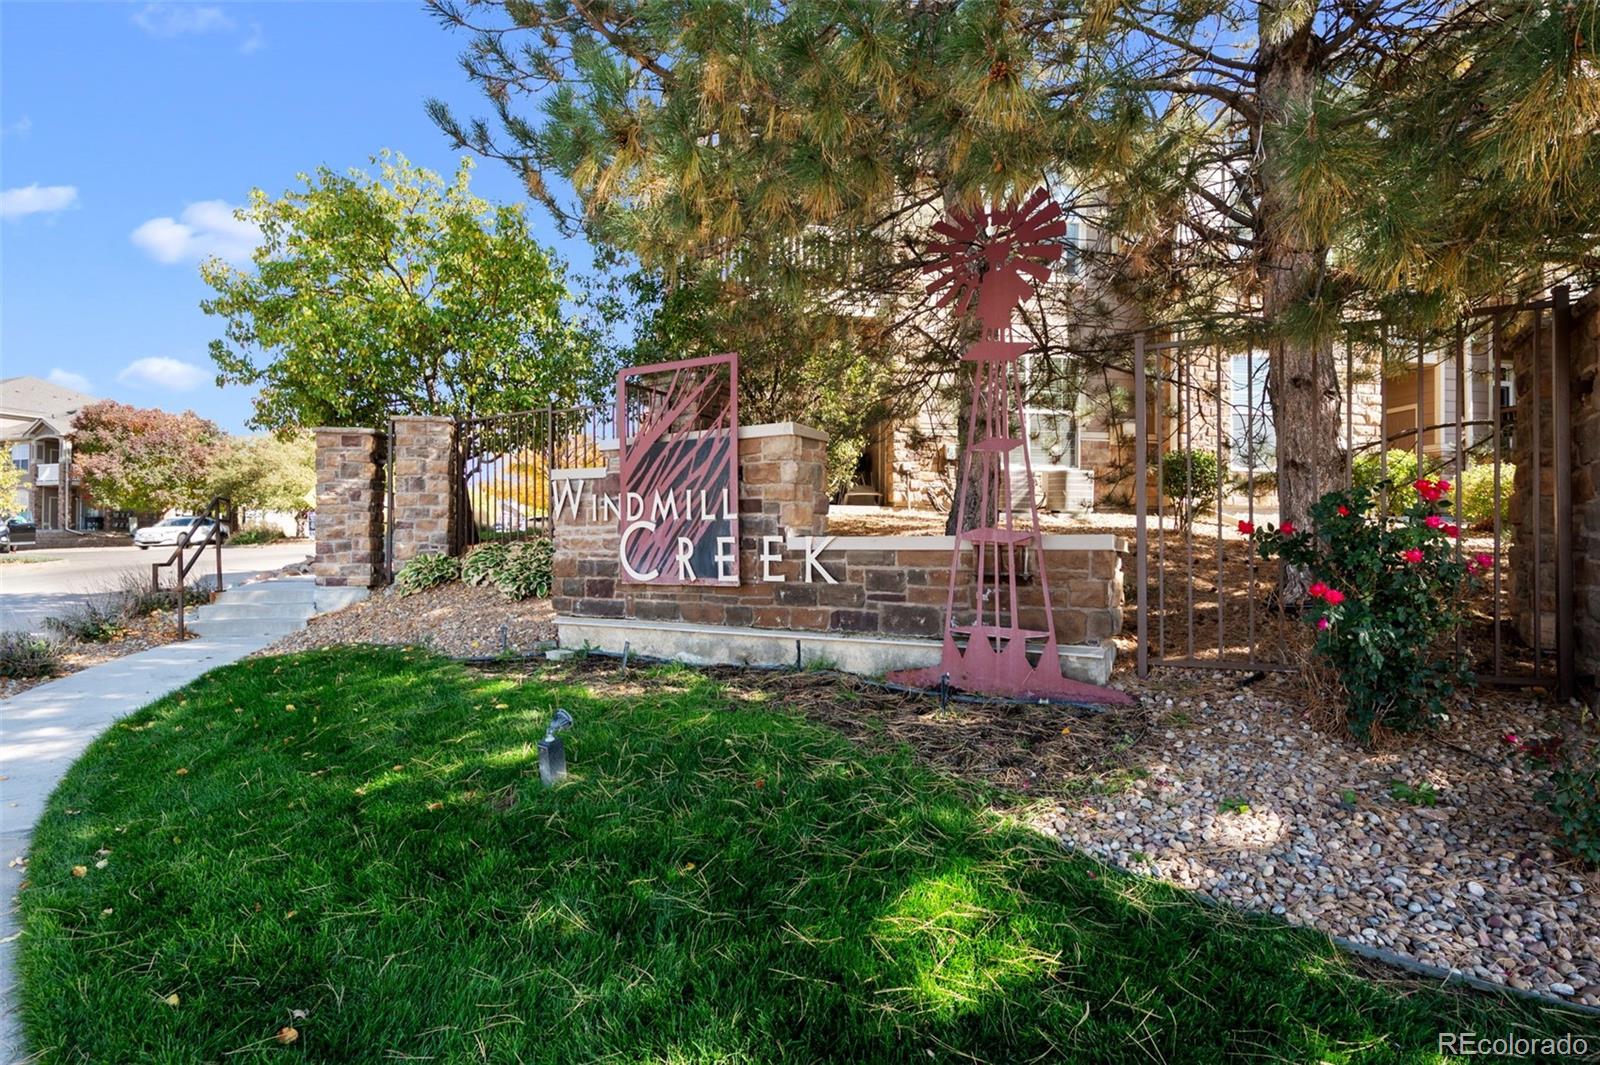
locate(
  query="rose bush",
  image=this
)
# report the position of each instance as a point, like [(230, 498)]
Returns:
[(1384, 598)]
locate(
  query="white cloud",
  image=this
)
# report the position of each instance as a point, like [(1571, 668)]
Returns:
[(174, 20), (203, 229), (67, 379), (167, 20), (255, 39), (37, 199), (158, 371), (20, 128)]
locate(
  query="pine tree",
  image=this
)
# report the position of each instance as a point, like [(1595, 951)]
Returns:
[(1267, 169)]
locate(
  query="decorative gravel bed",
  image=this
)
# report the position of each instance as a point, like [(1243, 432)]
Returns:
[(1232, 793), (459, 620)]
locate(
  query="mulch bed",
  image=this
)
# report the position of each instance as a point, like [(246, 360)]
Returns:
[(456, 619)]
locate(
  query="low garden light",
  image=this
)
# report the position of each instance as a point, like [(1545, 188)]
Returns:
[(553, 751)]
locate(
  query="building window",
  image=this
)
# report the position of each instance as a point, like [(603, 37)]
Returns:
[(1252, 439), (48, 451), (20, 456)]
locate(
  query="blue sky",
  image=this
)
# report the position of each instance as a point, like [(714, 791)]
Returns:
[(126, 129)]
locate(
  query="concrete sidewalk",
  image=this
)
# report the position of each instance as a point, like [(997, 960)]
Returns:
[(45, 729)]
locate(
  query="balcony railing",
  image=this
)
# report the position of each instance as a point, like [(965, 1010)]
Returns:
[(45, 473)]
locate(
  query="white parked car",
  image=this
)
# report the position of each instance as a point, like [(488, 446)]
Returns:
[(167, 533)]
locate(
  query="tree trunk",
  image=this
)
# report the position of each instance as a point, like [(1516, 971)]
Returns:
[(1301, 378)]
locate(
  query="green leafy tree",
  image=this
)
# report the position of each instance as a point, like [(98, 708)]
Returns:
[(144, 459), (268, 472), (10, 485), (400, 294), (1263, 170)]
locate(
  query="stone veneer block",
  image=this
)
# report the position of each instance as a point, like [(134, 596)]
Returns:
[(349, 466), (425, 502)]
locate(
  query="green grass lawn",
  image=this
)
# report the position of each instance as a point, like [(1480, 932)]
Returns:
[(356, 843)]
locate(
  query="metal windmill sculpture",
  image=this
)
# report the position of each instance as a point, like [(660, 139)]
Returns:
[(993, 259)]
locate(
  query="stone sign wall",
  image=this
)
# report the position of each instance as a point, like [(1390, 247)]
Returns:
[(796, 579)]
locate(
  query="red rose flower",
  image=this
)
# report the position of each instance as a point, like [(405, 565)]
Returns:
[(1317, 590), (1344, 511), (1287, 528), (1452, 531), (1322, 624), (1485, 561), (1412, 554), (1247, 528), (1333, 596), (1442, 485), (1433, 521)]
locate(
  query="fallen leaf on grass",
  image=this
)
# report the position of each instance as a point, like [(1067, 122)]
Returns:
[(183, 772), (80, 870), (172, 999), (435, 806), (287, 1035)]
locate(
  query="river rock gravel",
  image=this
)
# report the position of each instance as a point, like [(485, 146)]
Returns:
[(1235, 795)]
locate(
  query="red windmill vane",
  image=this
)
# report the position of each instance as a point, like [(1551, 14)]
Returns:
[(994, 258)]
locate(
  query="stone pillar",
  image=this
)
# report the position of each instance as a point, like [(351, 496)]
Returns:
[(349, 508), (424, 497)]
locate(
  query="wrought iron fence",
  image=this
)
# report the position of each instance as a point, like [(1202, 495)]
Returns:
[(503, 464), (1463, 404)]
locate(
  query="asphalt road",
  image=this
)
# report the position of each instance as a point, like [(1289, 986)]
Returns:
[(37, 583)]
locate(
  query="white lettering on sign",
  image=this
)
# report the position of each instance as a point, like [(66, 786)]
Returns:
[(622, 551), (769, 555), (567, 495), (813, 545), (695, 505)]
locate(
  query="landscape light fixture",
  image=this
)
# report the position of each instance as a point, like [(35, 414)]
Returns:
[(553, 751)]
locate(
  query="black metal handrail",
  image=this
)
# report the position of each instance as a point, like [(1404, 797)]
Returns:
[(181, 566)]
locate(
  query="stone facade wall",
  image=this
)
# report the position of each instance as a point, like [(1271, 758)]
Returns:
[(1584, 368), (349, 508), (891, 586), (424, 506)]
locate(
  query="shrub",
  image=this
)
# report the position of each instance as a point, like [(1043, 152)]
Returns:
[(1573, 791), (25, 655), (1193, 480), (520, 570), (258, 534), (1385, 595), (426, 571), (1370, 473), (485, 560), (1574, 797), (89, 622), (1477, 495), (139, 600)]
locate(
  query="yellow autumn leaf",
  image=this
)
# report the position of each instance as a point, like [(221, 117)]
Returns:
[(436, 806), (183, 772), (172, 999), (287, 1035), (288, 707), (80, 870)]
